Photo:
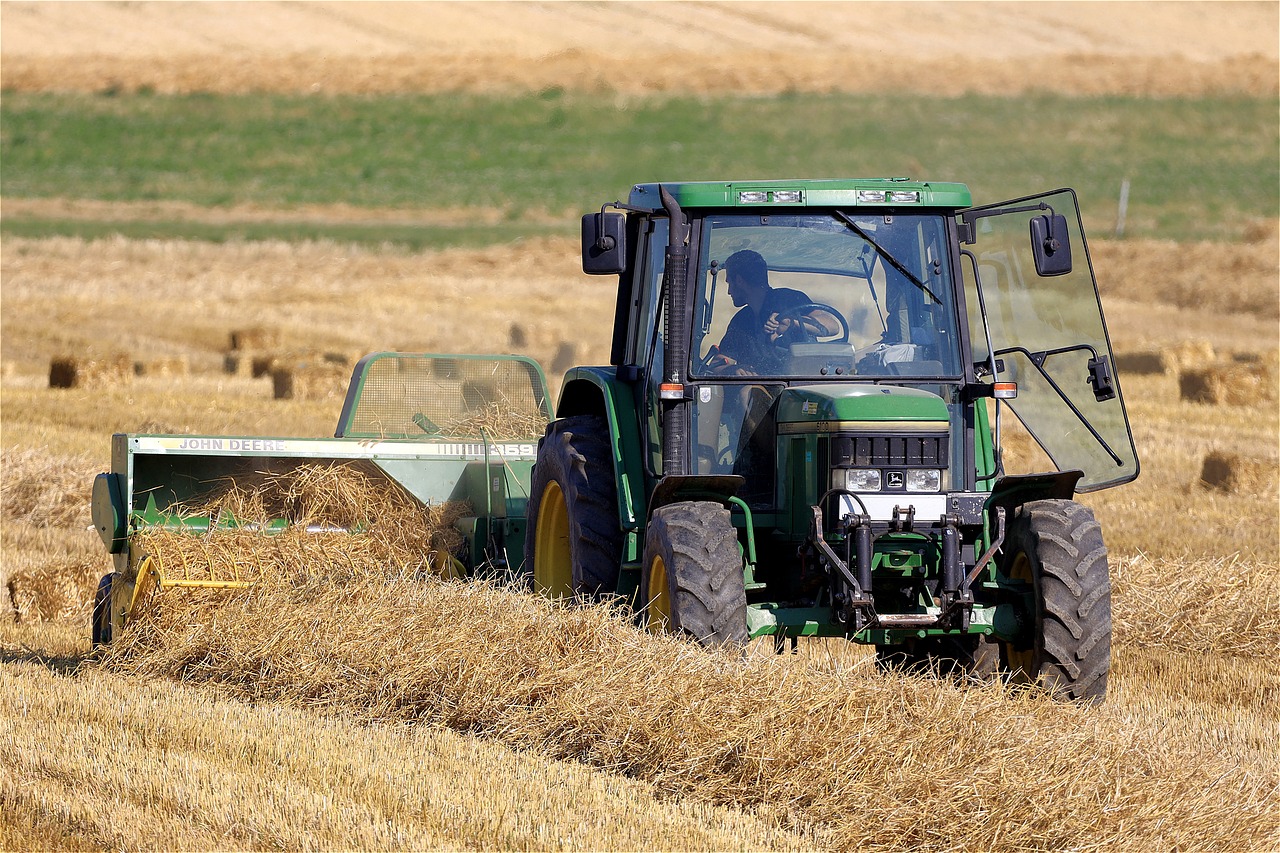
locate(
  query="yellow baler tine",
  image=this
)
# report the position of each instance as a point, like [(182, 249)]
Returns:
[(148, 577), (196, 584), (151, 576)]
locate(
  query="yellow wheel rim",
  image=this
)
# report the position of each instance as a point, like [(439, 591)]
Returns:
[(659, 597), (1022, 660), (552, 560)]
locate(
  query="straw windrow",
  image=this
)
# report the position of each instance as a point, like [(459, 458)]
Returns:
[(879, 762)]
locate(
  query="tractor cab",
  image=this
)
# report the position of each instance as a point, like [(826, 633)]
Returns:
[(839, 302), (892, 284)]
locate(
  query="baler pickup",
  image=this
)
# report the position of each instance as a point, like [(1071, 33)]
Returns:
[(437, 430)]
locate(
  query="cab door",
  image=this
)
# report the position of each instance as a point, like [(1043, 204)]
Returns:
[(1036, 319)]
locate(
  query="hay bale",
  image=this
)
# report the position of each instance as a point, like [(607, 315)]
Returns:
[(262, 365), (238, 364), (1190, 354), (1234, 473), (81, 372), (55, 591), (1148, 363), (1231, 384), (344, 359), (1196, 386), (255, 338), (164, 368), (309, 381)]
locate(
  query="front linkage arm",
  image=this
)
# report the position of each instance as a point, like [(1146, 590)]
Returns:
[(851, 600)]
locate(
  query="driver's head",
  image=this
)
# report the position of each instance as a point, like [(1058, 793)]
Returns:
[(747, 275)]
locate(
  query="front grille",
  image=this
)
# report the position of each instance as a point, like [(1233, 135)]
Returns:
[(888, 450)]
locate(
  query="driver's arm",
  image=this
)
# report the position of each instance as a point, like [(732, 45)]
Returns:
[(818, 322)]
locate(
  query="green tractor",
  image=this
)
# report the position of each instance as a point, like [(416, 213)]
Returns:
[(799, 432)]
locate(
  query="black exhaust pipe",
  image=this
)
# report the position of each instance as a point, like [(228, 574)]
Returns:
[(675, 354)]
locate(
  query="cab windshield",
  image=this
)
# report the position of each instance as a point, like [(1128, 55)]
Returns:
[(816, 296)]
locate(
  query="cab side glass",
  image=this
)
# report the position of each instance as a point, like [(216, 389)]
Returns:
[(604, 243), (1051, 244)]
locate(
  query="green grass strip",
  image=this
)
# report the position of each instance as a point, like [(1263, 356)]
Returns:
[(1200, 168)]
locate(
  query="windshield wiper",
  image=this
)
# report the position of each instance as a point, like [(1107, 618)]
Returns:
[(893, 262)]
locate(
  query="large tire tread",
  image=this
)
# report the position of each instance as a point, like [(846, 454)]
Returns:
[(1063, 542), (699, 546), (576, 453)]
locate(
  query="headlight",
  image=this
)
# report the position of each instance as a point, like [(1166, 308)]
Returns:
[(924, 480), (860, 480)]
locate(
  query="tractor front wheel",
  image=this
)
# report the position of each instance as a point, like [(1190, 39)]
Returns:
[(573, 545), (692, 582), (1055, 547)]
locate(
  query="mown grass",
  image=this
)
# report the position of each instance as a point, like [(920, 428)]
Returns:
[(95, 762), (1200, 168)]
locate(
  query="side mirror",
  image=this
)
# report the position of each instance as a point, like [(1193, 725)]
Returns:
[(1051, 244), (604, 243)]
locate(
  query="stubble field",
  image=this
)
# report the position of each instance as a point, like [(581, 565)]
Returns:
[(455, 716)]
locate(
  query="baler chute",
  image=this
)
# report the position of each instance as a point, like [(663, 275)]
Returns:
[(438, 429)]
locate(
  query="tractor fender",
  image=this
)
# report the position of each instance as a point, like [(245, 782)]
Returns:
[(1017, 489), (674, 488), (598, 391)]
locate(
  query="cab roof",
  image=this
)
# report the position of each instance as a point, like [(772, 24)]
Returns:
[(835, 192)]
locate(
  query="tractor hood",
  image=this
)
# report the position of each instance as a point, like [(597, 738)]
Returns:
[(823, 408)]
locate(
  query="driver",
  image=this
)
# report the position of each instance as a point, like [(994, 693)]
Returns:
[(767, 320)]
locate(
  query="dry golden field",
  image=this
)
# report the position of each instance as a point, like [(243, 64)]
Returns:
[(199, 742), (387, 713), (1149, 48)]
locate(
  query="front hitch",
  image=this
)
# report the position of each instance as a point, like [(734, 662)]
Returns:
[(852, 601)]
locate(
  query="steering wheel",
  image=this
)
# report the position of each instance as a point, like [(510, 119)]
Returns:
[(805, 324)]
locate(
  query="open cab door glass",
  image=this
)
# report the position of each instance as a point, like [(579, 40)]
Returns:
[(1037, 321)]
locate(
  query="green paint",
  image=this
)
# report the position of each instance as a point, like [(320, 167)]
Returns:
[(825, 403)]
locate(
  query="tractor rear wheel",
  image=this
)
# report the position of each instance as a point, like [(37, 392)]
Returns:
[(101, 629), (573, 544), (1056, 548), (692, 582)]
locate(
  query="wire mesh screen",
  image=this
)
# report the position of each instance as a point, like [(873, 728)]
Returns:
[(415, 395)]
